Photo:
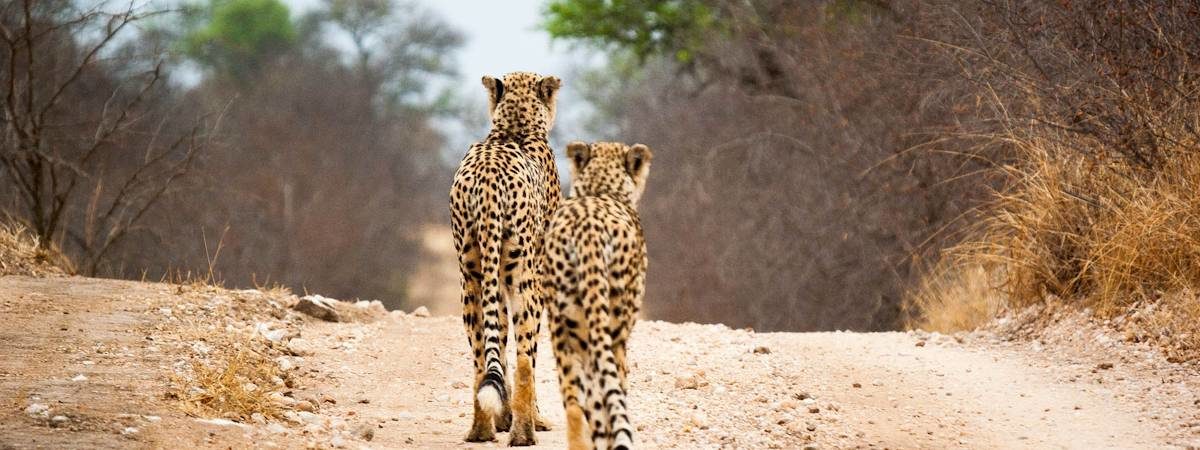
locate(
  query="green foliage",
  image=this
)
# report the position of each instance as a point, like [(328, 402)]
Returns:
[(644, 27), (238, 37)]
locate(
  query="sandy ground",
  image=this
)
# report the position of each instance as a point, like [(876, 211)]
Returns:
[(99, 354)]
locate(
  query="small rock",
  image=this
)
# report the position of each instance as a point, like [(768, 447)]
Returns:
[(58, 421), (364, 401), (1104, 366), (337, 442), (801, 396), (365, 432), (920, 343), (814, 409), (317, 306), (80, 377), (285, 363), (37, 410), (326, 398), (762, 350), (857, 385), (308, 418), (692, 381), (421, 311), (129, 430), (283, 400), (459, 385), (222, 423), (699, 420), (273, 335), (305, 406)]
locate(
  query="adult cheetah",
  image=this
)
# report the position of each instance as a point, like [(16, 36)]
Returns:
[(596, 259), (504, 191)]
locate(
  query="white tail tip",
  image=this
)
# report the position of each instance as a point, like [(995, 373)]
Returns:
[(489, 400)]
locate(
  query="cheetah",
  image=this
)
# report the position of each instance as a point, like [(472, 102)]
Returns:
[(503, 193), (596, 265)]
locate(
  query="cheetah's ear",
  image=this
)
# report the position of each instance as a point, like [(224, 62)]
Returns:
[(495, 89), (547, 88), (579, 153), (637, 159)]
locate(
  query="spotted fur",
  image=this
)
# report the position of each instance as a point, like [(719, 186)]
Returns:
[(596, 260), (504, 191)]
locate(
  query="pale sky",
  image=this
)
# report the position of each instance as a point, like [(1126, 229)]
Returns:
[(500, 36)]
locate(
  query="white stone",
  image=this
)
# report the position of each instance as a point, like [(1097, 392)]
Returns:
[(37, 410), (285, 363)]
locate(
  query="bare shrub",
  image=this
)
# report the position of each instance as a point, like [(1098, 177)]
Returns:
[(90, 142)]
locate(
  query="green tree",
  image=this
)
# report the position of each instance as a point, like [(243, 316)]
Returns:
[(645, 27), (237, 38)]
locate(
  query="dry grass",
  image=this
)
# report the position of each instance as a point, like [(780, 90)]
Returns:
[(954, 299), (21, 254), (234, 382), (1105, 235)]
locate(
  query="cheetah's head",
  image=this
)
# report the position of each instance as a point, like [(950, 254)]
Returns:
[(609, 168), (523, 102)]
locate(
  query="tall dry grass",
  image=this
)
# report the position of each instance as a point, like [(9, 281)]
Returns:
[(1107, 231), (1097, 108), (1103, 234)]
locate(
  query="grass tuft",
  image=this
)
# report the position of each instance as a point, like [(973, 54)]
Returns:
[(22, 254), (234, 382), (954, 299)]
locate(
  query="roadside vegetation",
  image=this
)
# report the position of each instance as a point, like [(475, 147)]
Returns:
[(928, 164)]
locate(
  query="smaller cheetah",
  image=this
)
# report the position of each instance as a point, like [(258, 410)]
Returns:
[(596, 264)]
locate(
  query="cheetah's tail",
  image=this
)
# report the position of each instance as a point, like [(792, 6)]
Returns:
[(614, 417), (492, 394)]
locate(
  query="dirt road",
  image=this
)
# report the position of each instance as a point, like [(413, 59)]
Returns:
[(400, 383)]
